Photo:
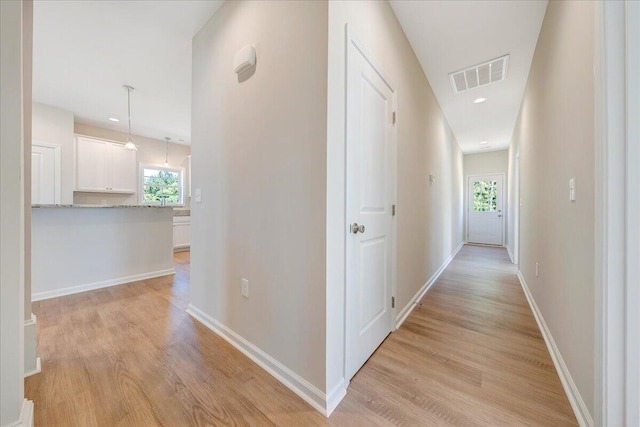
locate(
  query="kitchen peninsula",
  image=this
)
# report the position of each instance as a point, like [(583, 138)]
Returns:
[(83, 247)]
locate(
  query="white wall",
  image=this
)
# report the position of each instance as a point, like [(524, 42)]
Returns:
[(55, 126), (486, 163), (13, 18), (76, 249), (429, 216), (149, 151), (554, 135), (259, 156)]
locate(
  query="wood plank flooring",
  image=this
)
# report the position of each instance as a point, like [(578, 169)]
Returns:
[(469, 354)]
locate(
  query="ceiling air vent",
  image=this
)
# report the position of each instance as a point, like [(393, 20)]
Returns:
[(480, 75)]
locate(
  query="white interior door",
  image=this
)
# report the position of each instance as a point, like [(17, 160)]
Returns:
[(45, 174), (370, 192), (486, 219)]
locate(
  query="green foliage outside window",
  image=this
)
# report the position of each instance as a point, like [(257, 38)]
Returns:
[(485, 196), (161, 184)]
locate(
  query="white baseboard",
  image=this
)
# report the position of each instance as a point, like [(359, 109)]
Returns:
[(38, 296), (307, 391), (26, 415), (406, 311), (335, 396), (31, 360), (37, 369), (575, 399), (510, 254)]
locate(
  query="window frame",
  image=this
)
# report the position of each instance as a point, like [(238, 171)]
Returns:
[(180, 170)]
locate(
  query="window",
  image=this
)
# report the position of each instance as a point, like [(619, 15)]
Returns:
[(485, 196), (161, 185)]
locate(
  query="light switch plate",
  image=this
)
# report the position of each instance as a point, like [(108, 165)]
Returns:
[(245, 288), (198, 195), (572, 189)]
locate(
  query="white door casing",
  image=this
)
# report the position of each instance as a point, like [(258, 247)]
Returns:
[(370, 182), (486, 225), (45, 173)]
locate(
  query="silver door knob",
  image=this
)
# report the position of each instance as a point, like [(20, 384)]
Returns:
[(355, 228)]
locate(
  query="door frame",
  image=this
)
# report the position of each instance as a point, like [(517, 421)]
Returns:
[(352, 40), (57, 152), (504, 203), (617, 275), (516, 211)]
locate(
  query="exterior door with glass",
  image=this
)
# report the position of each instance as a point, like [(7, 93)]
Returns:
[(485, 209)]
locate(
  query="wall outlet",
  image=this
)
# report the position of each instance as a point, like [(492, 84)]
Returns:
[(537, 270), (245, 288)]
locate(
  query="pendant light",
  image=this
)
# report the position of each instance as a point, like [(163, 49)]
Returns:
[(129, 145), (166, 154)]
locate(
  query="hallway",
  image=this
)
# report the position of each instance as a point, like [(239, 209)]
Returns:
[(469, 354)]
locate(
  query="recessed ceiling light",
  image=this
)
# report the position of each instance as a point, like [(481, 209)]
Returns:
[(479, 100), (113, 119), (483, 142)]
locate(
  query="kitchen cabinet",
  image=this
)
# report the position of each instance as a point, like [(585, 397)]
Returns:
[(105, 166), (181, 232)]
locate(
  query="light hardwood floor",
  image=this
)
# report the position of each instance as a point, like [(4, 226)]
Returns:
[(469, 354)]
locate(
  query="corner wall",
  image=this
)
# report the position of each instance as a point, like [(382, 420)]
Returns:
[(259, 158), (554, 136), (429, 216)]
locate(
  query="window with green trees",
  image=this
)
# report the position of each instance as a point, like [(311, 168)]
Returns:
[(485, 196), (161, 186)]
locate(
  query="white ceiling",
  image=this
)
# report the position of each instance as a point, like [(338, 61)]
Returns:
[(448, 36), (84, 51)]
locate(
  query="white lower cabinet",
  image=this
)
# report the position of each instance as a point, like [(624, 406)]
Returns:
[(181, 232)]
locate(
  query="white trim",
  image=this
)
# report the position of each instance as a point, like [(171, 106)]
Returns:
[(307, 391), (335, 396), (510, 254), (612, 286), (26, 415), (57, 172), (402, 316), (37, 369), (38, 296), (575, 399), (31, 358), (632, 392)]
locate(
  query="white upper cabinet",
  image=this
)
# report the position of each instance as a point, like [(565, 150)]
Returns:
[(103, 166), (123, 169)]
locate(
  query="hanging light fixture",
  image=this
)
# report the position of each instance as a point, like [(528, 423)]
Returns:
[(130, 144), (166, 154)]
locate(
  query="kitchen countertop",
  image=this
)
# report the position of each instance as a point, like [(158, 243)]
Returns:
[(99, 206)]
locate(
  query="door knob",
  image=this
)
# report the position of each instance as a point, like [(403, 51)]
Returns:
[(355, 228), (499, 216)]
